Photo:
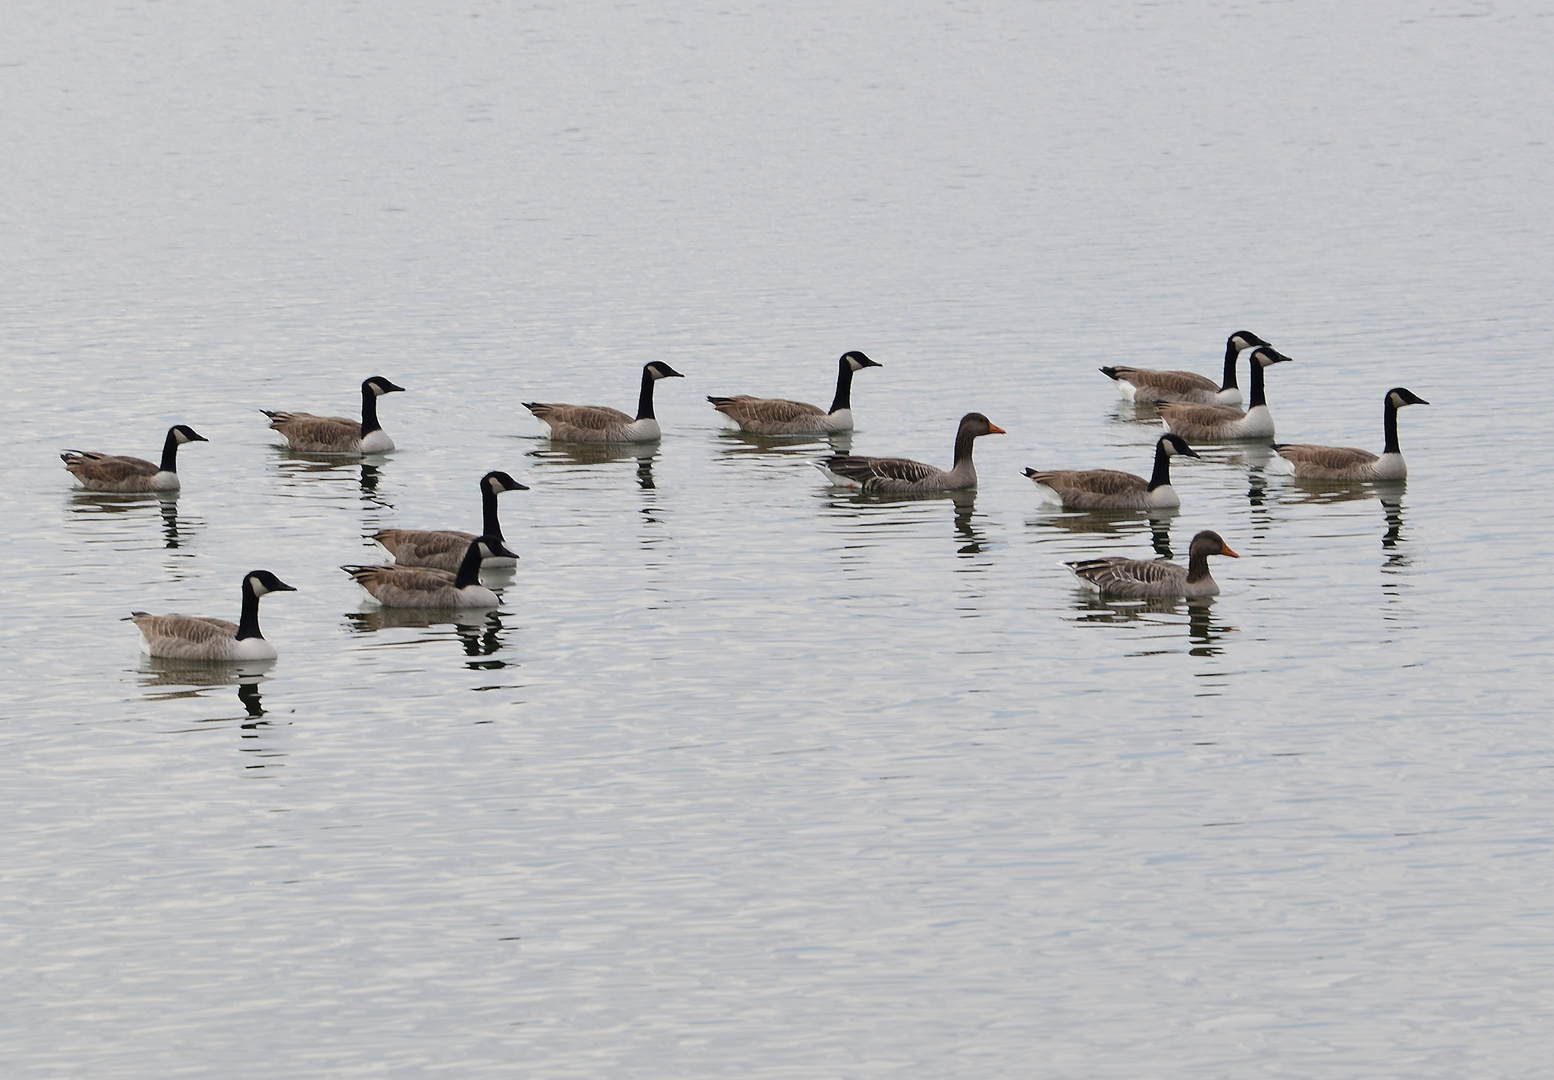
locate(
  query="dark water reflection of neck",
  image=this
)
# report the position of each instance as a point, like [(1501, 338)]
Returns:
[(1116, 524), (480, 631), (1204, 633), (174, 531)]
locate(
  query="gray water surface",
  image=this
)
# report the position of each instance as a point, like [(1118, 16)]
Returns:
[(748, 776)]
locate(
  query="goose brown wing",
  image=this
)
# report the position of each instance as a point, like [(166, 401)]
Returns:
[(748, 409), (425, 547), (1199, 415), (1121, 575), (866, 470), (1331, 458), (405, 578), (193, 629), (107, 468), (319, 430), (593, 417), (1170, 382), (1092, 481)]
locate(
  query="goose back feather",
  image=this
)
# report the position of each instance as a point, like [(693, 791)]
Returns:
[(891, 475), (122, 474), (599, 423)]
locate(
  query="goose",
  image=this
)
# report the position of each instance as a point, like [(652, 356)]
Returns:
[(1221, 423), (902, 476), (778, 416), (1108, 489), (193, 637), (445, 548), (1144, 384), (114, 472), (1349, 463), (424, 587), (338, 434), (1119, 576), (598, 423)]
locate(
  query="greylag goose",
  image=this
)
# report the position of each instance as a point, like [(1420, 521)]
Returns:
[(114, 472), (338, 434), (902, 476), (599, 423), (1109, 489), (193, 637), (1221, 423), (424, 587), (1145, 384), (1349, 463), (1119, 576), (778, 416), (444, 549)]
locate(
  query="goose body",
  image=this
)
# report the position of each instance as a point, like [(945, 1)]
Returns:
[(598, 423), (1341, 463), (1148, 385), (444, 549), (193, 637), (1109, 489), (779, 416), (1221, 423), (1136, 578), (126, 475), (338, 434), (902, 476), (425, 587)]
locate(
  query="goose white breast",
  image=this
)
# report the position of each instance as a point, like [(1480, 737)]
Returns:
[(194, 637)]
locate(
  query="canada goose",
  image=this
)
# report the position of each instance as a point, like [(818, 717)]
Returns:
[(1108, 489), (1349, 463), (1221, 423), (193, 637), (424, 587), (902, 476), (778, 416), (338, 434), (445, 548), (598, 423), (1119, 576), (1144, 384), (113, 472)]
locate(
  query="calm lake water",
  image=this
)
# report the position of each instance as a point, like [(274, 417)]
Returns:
[(747, 776)]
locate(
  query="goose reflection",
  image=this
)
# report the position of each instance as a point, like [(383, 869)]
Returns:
[(175, 533), (967, 534), (1135, 412), (300, 467), (1389, 493), (479, 631), (1116, 524), (1203, 632), (173, 680), (734, 442), (568, 456)]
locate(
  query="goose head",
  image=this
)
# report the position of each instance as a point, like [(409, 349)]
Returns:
[(1172, 445), (660, 370), (491, 547), (377, 386), (1267, 356), (497, 482), (1244, 339), (1399, 396), (976, 425), (856, 360), (260, 582), (183, 433), (1209, 543)]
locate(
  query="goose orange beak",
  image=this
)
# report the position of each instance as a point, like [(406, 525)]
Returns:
[(1224, 549), (994, 429)]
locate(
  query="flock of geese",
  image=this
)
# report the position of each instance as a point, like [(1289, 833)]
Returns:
[(441, 568)]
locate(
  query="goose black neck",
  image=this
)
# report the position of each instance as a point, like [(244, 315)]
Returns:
[(645, 399), (370, 411), (1257, 385), (469, 569), (492, 527), (170, 453), (1391, 423), (1231, 353), (963, 440), (1161, 477), (844, 386), (248, 623)]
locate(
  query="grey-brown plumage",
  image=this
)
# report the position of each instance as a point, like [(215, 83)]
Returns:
[(1149, 385), (128, 475), (1349, 463), (903, 476), (195, 637), (1221, 423), (779, 416), (1111, 489), (1119, 576), (600, 423), (425, 587), (444, 549), (338, 434)]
